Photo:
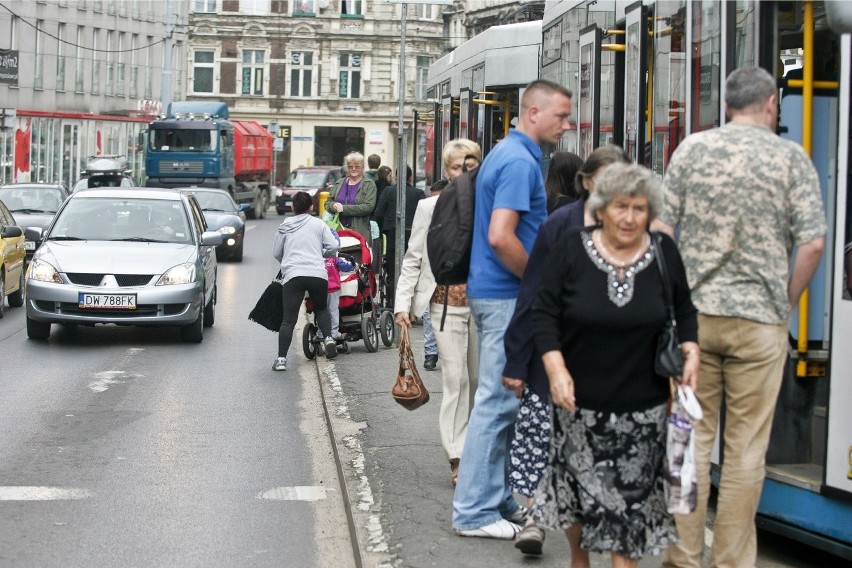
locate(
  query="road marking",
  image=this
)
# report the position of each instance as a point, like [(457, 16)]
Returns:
[(298, 493), (104, 379), (36, 493)]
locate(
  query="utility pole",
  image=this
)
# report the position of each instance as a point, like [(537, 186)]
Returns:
[(168, 49)]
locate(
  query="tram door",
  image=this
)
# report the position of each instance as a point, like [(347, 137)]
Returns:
[(635, 71), (589, 100)]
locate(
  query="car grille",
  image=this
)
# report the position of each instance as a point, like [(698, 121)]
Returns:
[(142, 310), (167, 167), (94, 279)]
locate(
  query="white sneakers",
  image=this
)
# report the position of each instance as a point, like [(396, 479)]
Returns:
[(502, 530), (280, 364), (330, 348)]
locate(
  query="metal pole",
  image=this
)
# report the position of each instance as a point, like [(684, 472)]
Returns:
[(401, 177), (168, 45)]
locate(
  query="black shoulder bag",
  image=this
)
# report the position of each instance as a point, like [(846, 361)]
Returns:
[(669, 359)]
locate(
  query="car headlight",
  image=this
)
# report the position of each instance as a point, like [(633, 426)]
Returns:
[(180, 274), (279, 192), (227, 230), (43, 271)]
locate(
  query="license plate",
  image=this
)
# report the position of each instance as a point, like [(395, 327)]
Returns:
[(107, 301), (288, 203), (29, 245)]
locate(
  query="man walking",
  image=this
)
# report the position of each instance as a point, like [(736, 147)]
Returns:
[(510, 206), (743, 198)]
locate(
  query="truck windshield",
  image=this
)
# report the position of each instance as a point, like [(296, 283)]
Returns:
[(174, 140)]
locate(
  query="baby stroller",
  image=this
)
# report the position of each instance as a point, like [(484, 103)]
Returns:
[(358, 306)]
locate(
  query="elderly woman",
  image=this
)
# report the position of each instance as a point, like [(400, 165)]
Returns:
[(353, 197), (596, 319)]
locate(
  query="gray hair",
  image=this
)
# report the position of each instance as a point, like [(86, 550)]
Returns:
[(627, 180), (357, 157), (749, 86)]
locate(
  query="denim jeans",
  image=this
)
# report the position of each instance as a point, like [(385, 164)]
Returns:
[(430, 346), (483, 495)]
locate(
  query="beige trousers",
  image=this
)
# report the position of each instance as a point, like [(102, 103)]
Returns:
[(459, 358), (742, 363)]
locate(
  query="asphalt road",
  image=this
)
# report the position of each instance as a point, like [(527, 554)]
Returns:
[(125, 447)]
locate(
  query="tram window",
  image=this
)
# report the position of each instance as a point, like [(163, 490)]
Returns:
[(669, 82), (706, 64)]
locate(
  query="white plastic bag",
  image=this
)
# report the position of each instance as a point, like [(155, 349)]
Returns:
[(681, 485)]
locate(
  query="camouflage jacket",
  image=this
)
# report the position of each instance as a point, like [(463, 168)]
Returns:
[(743, 198)]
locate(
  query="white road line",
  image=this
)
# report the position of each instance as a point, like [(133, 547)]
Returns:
[(114, 376), (36, 493), (298, 493)]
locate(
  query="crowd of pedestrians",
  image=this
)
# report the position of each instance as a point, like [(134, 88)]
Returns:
[(550, 392)]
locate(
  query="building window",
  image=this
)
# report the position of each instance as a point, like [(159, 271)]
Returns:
[(38, 79), (96, 64), (301, 73), (422, 77), (252, 72), (110, 64), (349, 86), (60, 58), (119, 76), (202, 72), (134, 68), (149, 70), (255, 7), (304, 7), (351, 8), (422, 11), (78, 59), (204, 6), (178, 72)]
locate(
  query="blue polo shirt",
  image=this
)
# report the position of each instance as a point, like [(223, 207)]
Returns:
[(509, 178)]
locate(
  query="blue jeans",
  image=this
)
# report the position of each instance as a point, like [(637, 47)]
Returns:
[(430, 345), (483, 495)]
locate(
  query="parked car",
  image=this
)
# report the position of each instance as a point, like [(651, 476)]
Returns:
[(313, 180), (121, 257), (224, 216), (33, 205), (12, 258)]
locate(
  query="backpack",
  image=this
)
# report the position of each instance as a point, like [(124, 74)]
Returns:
[(450, 236)]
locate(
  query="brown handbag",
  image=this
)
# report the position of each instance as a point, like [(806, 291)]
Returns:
[(409, 389)]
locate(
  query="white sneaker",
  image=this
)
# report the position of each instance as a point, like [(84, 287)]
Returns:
[(280, 364), (519, 517), (502, 530), (330, 348)]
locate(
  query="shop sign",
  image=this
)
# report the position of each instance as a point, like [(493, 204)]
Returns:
[(149, 107), (9, 66)]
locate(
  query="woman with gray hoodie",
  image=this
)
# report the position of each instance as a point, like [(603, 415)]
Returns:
[(301, 245)]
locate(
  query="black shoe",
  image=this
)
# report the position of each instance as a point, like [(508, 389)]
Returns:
[(431, 362)]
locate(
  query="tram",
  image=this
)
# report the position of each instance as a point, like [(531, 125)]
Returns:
[(647, 74)]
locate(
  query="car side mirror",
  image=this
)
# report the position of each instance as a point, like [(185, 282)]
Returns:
[(34, 234), (10, 231), (211, 238), (245, 206)]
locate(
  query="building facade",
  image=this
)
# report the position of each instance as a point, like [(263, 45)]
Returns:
[(322, 74), (80, 78)]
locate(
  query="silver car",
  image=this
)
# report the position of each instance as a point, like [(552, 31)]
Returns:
[(112, 256)]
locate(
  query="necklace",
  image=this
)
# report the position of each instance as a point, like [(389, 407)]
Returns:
[(612, 259)]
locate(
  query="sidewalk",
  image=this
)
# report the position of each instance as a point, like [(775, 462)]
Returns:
[(397, 476)]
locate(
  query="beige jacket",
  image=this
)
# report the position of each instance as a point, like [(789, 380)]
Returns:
[(416, 284)]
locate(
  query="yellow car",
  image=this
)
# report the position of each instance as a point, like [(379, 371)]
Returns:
[(12, 254)]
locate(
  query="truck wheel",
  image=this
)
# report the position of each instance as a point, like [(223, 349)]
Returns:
[(261, 205)]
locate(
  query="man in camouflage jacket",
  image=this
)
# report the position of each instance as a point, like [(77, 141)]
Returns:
[(743, 198)]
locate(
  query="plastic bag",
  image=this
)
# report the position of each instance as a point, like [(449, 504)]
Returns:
[(334, 222), (681, 487)]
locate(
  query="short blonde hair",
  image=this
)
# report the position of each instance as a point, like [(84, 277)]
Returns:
[(627, 180), (357, 157), (460, 148)]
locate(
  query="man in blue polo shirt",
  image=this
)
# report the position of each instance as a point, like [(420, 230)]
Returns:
[(511, 204)]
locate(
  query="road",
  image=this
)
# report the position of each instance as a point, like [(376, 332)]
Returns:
[(125, 447)]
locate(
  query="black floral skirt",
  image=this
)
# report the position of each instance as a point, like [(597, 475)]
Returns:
[(605, 471), (530, 444)]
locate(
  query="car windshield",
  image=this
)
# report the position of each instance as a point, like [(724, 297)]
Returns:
[(215, 201), (121, 219), (306, 179), (32, 199)]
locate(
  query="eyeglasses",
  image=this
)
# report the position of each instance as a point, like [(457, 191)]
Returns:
[(355, 167)]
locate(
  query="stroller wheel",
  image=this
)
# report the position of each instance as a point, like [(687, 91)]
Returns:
[(370, 333), (387, 328), (343, 347), (309, 342)]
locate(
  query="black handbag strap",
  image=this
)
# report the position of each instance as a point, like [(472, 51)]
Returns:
[(664, 274)]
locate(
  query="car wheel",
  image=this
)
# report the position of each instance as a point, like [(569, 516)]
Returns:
[(309, 345), (194, 332), (370, 334), (210, 310), (16, 299), (238, 254), (281, 211), (260, 204), (2, 295), (37, 329), (387, 328)]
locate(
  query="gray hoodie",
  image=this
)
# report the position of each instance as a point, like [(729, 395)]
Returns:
[(301, 244)]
